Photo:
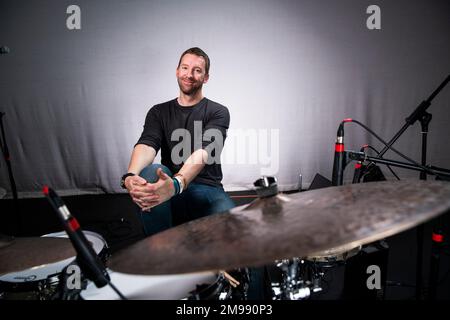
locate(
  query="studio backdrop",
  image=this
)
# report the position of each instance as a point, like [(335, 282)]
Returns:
[(78, 77)]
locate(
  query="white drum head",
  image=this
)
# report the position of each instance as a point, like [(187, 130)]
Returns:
[(139, 287), (96, 240)]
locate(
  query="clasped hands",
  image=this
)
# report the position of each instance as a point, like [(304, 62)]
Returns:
[(148, 195)]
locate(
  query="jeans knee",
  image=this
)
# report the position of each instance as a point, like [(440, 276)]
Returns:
[(149, 172)]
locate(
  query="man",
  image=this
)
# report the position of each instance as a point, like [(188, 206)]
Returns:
[(190, 131), (195, 189)]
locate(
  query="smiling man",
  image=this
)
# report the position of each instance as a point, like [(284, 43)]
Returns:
[(190, 131)]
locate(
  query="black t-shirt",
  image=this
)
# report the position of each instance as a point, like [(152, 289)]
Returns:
[(168, 126)]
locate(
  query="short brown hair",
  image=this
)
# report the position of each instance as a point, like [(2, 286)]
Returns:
[(198, 52)]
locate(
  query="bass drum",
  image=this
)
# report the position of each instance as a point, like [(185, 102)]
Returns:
[(189, 286), (142, 287), (44, 282)]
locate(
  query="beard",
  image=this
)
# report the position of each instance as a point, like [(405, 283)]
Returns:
[(191, 89)]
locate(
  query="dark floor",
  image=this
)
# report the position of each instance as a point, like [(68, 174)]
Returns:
[(113, 217)]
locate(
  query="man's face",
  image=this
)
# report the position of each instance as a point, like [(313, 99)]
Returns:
[(191, 74)]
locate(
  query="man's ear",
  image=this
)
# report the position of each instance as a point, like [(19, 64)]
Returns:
[(206, 78)]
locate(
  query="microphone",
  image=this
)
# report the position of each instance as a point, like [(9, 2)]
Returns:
[(339, 156), (88, 260), (4, 50), (359, 168)]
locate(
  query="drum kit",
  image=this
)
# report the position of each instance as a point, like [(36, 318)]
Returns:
[(300, 234)]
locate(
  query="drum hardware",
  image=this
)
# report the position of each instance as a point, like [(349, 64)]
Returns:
[(299, 279), (292, 286), (231, 285), (295, 225), (317, 286), (266, 186), (310, 272), (100, 247), (45, 281), (88, 261), (31, 290)]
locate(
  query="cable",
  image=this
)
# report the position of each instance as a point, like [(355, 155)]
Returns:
[(378, 153), (117, 291), (390, 147)]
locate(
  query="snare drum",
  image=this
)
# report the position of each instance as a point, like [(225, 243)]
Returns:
[(41, 282)]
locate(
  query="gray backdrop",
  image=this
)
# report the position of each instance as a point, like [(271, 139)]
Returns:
[(289, 71)]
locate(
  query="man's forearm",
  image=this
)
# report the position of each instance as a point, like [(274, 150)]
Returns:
[(142, 156), (193, 165)]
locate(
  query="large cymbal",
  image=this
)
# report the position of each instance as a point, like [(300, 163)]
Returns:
[(23, 253), (285, 226), (5, 240)]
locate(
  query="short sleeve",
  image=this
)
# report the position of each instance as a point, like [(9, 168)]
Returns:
[(218, 123), (153, 132)]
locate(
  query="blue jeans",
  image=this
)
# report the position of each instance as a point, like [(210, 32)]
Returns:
[(197, 201)]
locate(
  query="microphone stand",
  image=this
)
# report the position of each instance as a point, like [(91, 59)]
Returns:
[(420, 114), (417, 115), (6, 156), (87, 259), (361, 156), (437, 236)]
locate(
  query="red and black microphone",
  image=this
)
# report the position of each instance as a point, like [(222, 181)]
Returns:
[(88, 260), (339, 156), (359, 167)]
